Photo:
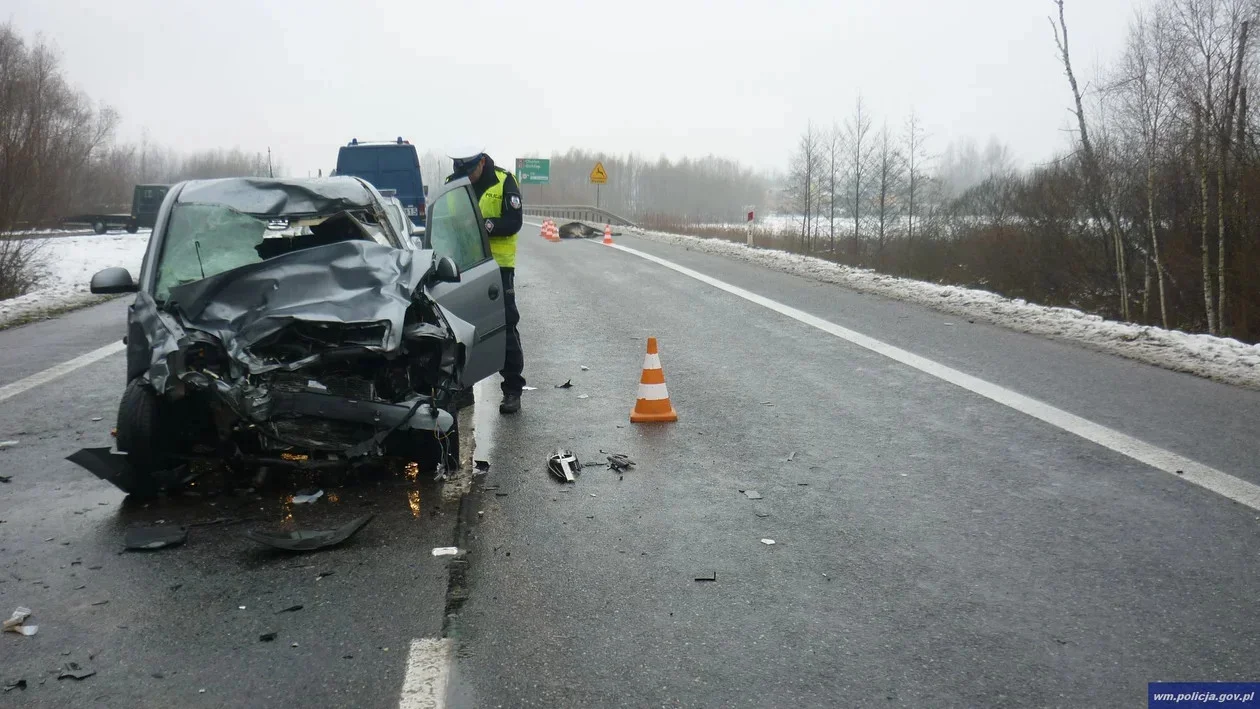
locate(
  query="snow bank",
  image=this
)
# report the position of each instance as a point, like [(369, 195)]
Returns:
[(1219, 358), (66, 266)]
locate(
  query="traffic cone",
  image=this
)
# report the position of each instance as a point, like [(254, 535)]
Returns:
[(553, 233), (542, 231), (608, 234), (653, 405)]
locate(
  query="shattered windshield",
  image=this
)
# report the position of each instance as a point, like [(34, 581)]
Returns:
[(204, 240)]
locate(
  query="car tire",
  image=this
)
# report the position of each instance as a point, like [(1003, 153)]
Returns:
[(132, 228), (99, 227), (144, 436)]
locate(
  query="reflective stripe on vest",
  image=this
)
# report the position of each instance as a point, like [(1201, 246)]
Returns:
[(503, 248)]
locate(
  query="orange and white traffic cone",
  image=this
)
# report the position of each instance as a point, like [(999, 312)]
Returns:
[(542, 231), (653, 405), (553, 233), (608, 234)]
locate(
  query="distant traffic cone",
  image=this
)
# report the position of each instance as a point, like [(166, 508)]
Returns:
[(553, 233), (542, 231), (608, 234), (653, 405)]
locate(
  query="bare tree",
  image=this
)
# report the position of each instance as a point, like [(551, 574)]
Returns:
[(834, 156), (803, 182), (1098, 197), (915, 139), (890, 173), (857, 133)]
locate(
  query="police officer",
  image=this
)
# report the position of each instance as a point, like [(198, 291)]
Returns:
[(500, 201)]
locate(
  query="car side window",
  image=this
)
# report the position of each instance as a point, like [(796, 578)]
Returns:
[(454, 229)]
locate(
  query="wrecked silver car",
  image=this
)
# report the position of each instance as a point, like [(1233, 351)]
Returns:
[(287, 323)]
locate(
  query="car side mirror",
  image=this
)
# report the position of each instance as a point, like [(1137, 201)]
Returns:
[(446, 270), (113, 280)]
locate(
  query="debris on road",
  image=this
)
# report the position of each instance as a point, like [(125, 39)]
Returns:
[(8, 444), (566, 385), (304, 497), (593, 464), (481, 465), (584, 396), (20, 684), (151, 538), (563, 464), (791, 456), (15, 623), (585, 368), (309, 539), (529, 388), (267, 637), (6, 478), (73, 671), (620, 462), (446, 551), (100, 603), (324, 574), (763, 514), (768, 542), (95, 419), (291, 609), (710, 576), (751, 494)]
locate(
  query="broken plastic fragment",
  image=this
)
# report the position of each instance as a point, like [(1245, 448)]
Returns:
[(20, 684), (767, 542), (563, 464), (710, 576), (73, 671), (8, 444), (584, 396), (290, 609), (567, 385), (14, 623), (585, 368), (529, 388), (446, 551), (309, 539), (6, 478), (150, 538), (791, 456), (267, 637), (620, 462), (752, 494), (307, 496), (481, 465)]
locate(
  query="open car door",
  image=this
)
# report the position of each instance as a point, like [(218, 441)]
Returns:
[(455, 229)]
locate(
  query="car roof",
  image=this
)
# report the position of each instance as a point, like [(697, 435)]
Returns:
[(281, 196)]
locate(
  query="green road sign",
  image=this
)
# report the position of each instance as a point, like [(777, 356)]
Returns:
[(533, 171)]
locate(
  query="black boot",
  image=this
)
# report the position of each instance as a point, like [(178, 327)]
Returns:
[(511, 404)]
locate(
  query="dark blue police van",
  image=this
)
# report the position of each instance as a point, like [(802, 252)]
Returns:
[(388, 166)]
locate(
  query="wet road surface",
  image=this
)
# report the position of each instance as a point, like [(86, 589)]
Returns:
[(932, 548)]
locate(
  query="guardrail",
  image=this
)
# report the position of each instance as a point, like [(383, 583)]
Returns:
[(578, 212)]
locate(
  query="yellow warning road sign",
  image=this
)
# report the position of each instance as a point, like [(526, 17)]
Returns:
[(598, 176)]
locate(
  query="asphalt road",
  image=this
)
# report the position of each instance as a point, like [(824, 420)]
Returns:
[(932, 547)]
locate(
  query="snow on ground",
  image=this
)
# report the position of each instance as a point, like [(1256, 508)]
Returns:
[(67, 265), (1219, 358)]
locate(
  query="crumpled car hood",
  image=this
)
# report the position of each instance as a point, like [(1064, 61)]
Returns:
[(345, 282)]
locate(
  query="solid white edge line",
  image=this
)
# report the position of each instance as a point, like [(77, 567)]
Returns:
[(9, 391), (1183, 468), (428, 671)]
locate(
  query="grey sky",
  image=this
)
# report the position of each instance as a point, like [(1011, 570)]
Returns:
[(678, 77)]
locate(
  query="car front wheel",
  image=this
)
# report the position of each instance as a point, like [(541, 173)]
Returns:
[(144, 435)]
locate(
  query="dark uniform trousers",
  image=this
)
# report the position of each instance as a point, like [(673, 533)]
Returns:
[(514, 357)]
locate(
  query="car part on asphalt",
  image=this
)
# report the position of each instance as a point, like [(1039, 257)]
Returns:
[(767, 542), (305, 497), (73, 671), (19, 684), (309, 539), (620, 462), (446, 551), (291, 609), (15, 623), (564, 464), (152, 538), (566, 385), (710, 576), (751, 494), (267, 637)]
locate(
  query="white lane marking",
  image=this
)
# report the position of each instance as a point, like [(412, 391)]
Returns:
[(428, 669), (9, 391), (1184, 468)]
